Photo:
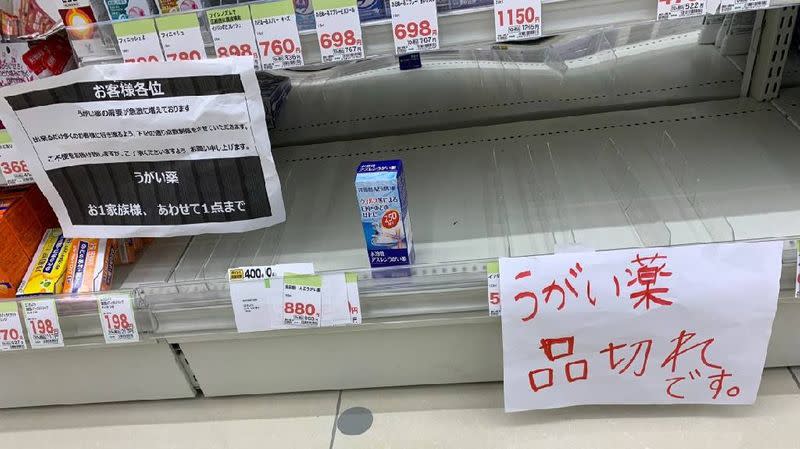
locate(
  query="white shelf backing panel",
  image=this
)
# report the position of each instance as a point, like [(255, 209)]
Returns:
[(649, 64), (788, 102), (87, 375)]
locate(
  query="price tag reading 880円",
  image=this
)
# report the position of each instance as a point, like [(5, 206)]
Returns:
[(414, 25), (679, 9), (275, 25), (302, 300), (180, 37), (117, 319), (517, 19), (11, 335), (338, 30), (138, 41), (233, 32), (41, 320)]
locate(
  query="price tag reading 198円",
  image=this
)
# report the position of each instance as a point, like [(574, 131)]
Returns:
[(138, 41), (276, 32), (117, 319), (679, 9), (517, 19), (302, 300), (414, 25), (180, 37), (11, 335), (41, 320), (233, 32), (338, 30)]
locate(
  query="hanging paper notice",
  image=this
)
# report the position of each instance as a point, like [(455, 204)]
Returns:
[(138, 41), (415, 26), (728, 6), (149, 150), (680, 9), (338, 30), (654, 325), (180, 37), (517, 19), (275, 25)]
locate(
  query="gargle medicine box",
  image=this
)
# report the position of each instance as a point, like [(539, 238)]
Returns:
[(381, 193)]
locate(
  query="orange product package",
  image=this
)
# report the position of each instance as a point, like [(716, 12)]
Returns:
[(90, 267)]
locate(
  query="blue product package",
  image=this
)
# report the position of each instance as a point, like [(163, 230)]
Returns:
[(304, 12), (381, 193), (372, 10)]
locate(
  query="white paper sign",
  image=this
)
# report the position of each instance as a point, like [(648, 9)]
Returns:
[(728, 6), (12, 337), (302, 301), (257, 295), (673, 325), (13, 168), (338, 30), (117, 318), (680, 9), (415, 26), (146, 150), (341, 305), (493, 280), (138, 41), (233, 33), (41, 321), (517, 19), (275, 25), (180, 37)]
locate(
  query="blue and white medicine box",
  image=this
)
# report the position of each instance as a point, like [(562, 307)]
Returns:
[(381, 193)]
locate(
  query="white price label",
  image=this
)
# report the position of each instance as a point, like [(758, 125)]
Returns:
[(302, 300), (679, 9), (180, 37), (797, 274), (233, 35), (138, 41), (338, 30), (517, 19), (415, 26), (117, 318), (13, 168), (275, 26), (353, 298), (493, 278), (11, 335), (41, 320), (728, 6)]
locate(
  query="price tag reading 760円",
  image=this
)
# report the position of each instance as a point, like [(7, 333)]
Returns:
[(138, 41), (11, 336), (41, 320), (233, 32), (302, 300), (414, 25), (276, 32), (679, 9), (180, 37), (517, 19), (117, 319), (338, 30)]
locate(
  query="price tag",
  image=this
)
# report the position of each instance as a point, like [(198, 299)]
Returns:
[(338, 30), (41, 320), (257, 295), (415, 26), (276, 32), (138, 41), (117, 318), (302, 300), (493, 277), (233, 32), (679, 9), (728, 6), (180, 37), (797, 274), (11, 335), (13, 169), (517, 19), (353, 299)]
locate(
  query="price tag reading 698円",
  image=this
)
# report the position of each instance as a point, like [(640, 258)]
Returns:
[(414, 25), (338, 30), (41, 320), (138, 41), (276, 32), (302, 300), (117, 319), (233, 32), (517, 19)]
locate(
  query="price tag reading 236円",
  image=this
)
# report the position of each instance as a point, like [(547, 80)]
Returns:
[(233, 32), (414, 25), (180, 37), (338, 30), (276, 32), (138, 41), (517, 19)]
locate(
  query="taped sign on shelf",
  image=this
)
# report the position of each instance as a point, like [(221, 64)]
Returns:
[(641, 326)]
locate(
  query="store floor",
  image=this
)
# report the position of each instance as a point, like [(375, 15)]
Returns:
[(455, 416)]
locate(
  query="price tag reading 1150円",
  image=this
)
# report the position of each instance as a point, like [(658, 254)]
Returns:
[(517, 19), (117, 319), (41, 320), (338, 30), (138, 41), (233, 32), (11, 336), (180, 37), (302, 300), (414, 25), (276, 32)]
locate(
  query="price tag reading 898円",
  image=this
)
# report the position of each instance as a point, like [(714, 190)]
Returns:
[(414, 25), (180, 37), (276, 32), (517, 19), (233, 32), (11, 336), (138, 41), (679, 9), (41, 320), (302, 300), (117, 319), (338, 30)]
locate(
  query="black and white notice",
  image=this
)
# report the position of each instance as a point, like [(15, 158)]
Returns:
[(149, 150)]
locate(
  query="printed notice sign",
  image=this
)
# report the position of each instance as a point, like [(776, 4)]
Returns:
[(680, 325), (149, 150)]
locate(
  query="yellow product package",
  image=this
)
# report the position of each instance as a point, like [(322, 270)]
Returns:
[(91, 266), (46, 272)]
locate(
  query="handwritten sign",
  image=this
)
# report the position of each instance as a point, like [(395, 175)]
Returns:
[(652, 325)]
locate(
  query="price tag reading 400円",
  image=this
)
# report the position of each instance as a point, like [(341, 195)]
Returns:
[(302, 300), (276, 32), (41, 320), (233, 32), (338, 30), (679, 9), (117, 319), (11, 336), (517, 19), (138, 41), (415, 26), (180, 37)]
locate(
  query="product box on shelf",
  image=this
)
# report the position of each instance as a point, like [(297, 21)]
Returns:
[(48, 269), (130, 9), (381, 193), (90, 267), (373, 10)]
